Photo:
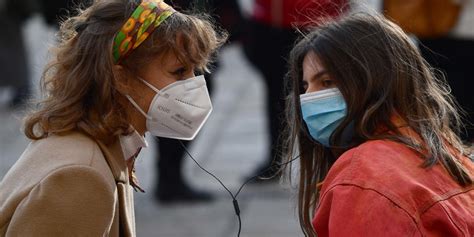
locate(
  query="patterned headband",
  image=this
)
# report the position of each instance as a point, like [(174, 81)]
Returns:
[(143, 21)]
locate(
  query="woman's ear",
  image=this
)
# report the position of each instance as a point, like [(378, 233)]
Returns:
[(122, 79)]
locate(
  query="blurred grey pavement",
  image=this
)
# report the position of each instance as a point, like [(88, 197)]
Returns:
[(231, 145)]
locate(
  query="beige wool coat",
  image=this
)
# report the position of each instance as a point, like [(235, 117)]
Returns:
[(67, 185)]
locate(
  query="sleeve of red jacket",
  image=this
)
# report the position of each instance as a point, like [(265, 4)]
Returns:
[(349, 210)]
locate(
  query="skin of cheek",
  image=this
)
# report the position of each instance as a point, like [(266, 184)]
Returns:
[(159, 73), (155, 74), (142, 95)]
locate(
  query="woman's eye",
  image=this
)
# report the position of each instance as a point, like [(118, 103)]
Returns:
[(328, 83), (304, 86)]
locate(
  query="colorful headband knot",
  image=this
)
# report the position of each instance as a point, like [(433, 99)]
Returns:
[(141, 24)]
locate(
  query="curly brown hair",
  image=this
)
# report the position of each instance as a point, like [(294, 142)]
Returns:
[(79, 84)]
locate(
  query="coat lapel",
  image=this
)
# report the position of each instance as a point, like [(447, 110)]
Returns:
[(114, 157)]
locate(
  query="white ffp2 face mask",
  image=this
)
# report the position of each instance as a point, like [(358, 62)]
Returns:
[(179, 110)]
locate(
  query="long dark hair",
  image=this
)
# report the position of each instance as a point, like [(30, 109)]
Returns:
[(380, 72)]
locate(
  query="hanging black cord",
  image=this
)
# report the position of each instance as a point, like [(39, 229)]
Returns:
[(211, 174), (234, 197), (263, 172)]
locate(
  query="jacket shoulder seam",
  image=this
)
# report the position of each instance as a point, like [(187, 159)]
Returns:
[(415, 221), (451, 218)]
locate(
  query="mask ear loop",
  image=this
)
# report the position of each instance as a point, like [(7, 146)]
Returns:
[(135, 103), (149, 85), (137, 107)]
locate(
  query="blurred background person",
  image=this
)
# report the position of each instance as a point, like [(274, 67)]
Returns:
[(171, 185), (445, 30), (453, 53), (54, 11), (269, 35), (14, 66)]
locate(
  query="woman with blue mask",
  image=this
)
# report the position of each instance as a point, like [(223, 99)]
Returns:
[(376, 131)]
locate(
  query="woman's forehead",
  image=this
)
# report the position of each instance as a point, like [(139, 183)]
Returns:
[(311, 65), (169, 59)]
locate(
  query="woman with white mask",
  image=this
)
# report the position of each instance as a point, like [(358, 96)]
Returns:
[(122, 68)]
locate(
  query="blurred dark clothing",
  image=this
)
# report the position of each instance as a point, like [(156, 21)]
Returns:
[(19, 10), (296, 13), (54, 11), (226, 13), (455, 57), (446, 38), (267, 40), (267, 47), (13, 60), (14, 68), (171, 185)]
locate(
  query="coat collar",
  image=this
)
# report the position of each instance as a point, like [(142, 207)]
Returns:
[(131, 144), (114, 156)]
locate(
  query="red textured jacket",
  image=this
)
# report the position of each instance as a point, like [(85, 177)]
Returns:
[(380, 189), (288, 13)]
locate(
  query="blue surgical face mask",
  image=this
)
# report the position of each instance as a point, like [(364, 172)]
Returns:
[(323, 111)]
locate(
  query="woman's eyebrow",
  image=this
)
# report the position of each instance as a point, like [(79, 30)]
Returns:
[(319, 74)]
